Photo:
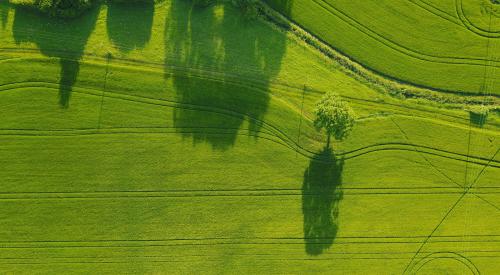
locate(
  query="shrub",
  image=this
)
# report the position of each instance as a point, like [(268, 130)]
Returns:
[(59, 8)]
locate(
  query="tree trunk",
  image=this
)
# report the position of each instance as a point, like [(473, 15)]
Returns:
[(328, 141)]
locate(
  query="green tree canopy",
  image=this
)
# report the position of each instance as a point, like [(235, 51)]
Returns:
[(335, 116), (59, 8)]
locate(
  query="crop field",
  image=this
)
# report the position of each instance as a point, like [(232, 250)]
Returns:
[(451, 45), (171, 139)]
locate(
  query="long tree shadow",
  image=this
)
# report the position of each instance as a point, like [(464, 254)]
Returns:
[(283, 6), (4, 13), (129, 24), (61, 38), (221, 65), (321, 195)]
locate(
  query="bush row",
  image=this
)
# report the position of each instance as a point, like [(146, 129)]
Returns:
[(65, 8), (383, 84)]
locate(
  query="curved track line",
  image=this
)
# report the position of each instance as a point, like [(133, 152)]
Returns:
[(346, 155), (460, 21), (400, 48), (201, 74), (273, 129), (98, 92), (235, 79), (446, 255), (471, 26)]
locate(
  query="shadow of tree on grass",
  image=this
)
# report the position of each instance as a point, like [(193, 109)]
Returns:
[(64, 39), (129, 24), (211, 53), (321, 195), (478, 119), (4, 13), (283, 6)]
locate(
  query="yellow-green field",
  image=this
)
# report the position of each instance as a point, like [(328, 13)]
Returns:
[(170, 139), (452, 45)]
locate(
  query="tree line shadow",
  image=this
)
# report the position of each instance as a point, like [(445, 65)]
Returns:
[(4, 14), (321, 196), (215, 57), (203, 42), (283, 6), (128, 26)]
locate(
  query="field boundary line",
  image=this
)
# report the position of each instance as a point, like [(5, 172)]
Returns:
[(465, 192)]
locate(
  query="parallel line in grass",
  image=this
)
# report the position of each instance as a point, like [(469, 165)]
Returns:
[(255, 238), (229, 255), (160, 67), (465, 192), (158, 130), (345, 154), (210, 260), (62, 198), (94, 91), (97, 195), (459, 20), (343, 187), (398, 47), (470, 26), (175, 104), (438, 12), (214, 255), (287, 85), (234, 76), (299, 242)]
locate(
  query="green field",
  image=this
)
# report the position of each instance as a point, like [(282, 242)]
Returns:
[(452, 45), (167, 139)]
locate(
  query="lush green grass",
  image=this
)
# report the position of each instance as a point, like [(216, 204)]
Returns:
[(190, 149), (423, 42)]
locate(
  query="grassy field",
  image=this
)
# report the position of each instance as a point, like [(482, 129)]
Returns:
[(172, 139), (451, 45)]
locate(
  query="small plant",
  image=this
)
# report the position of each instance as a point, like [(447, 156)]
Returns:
[(335, 116)]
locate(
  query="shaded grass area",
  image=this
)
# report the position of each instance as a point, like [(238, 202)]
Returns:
[(31, 27), (129, 25), (321, 196), (226, 39)]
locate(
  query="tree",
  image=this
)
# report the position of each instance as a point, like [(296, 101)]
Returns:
[(335, 116), (58, 8)]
